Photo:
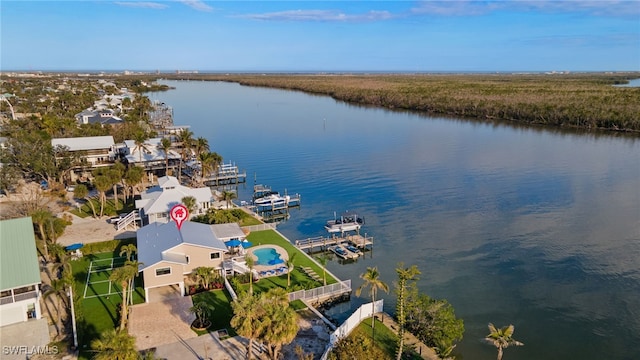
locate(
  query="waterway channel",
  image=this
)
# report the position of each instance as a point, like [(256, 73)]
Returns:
[(529, 226)]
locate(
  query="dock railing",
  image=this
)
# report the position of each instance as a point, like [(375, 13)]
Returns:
[(330, 290)]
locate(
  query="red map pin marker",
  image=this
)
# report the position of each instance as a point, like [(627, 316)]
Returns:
[(179, 214)]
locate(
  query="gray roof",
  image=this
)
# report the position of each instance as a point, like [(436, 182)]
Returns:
[(160, 199), (18, 255), (225, 232), (85, 143), (156, 240)]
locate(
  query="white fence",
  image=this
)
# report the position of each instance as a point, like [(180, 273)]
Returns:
[(260, 227), (321, 292), (363, 312)]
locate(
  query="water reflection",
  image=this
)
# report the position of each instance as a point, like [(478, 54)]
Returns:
[(526, 225)]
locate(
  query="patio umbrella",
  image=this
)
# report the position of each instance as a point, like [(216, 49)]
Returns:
[(246, 244), (233, 243), (75, 246)]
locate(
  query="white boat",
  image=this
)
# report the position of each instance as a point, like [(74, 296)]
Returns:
[(341, 252), (273, 200), (347, 222)]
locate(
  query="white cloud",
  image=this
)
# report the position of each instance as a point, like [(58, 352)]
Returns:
[(142, 4), (197, 5), (320, 15), (615, 8)]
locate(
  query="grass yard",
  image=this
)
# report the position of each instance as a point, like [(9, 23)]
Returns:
[(222, 312), (101, 313), (302, 259)]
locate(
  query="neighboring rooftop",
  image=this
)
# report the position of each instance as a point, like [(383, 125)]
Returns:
[(18, 255), (85, 143)]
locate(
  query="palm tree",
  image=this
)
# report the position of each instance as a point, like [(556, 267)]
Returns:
[(115, 345), (122, 275), (404, 275), (227, 196), (247, 319), (191, 203), (250, 262), (203, 275), (165, 145), (139, 139), (372, 280), (290, 264), (58, 289), (322, 259), (201, 145), (81, 192), (206, 165), (134, 176), (103, 184), (41, 217), (185, 137), (201, 309), (128, 251), (280, 324), (115, 175), (502, 338)]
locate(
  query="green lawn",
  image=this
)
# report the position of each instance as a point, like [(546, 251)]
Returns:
[(385, 339), (297, 277), (96, 315), (222, 312)]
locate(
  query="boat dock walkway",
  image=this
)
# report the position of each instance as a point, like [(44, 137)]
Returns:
[(324, 242)]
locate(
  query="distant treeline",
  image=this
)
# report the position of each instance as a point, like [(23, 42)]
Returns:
[(585, 101)]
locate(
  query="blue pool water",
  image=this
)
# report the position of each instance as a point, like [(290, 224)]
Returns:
[(267, 256)]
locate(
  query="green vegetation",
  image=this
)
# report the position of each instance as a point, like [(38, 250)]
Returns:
[(221, 314), (96, 315), (224, 216), (502, 338), (585, 101), (361, 344)]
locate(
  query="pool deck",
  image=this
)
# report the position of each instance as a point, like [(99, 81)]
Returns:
[(279, 249)]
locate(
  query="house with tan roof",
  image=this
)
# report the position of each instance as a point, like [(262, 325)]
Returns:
[(168, 254)]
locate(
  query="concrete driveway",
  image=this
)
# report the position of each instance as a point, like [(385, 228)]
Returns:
[(162, 322)]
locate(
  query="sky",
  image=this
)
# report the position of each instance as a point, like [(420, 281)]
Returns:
[(320, 36)]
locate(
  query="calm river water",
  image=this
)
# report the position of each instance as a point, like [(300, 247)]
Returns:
[(527, 226)]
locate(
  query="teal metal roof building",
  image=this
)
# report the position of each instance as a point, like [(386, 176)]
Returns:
[(18, 254)]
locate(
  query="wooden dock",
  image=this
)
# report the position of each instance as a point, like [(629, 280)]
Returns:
[(323, 243)]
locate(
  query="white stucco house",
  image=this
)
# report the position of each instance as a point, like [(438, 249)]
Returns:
[(169, 255), (157, 201)]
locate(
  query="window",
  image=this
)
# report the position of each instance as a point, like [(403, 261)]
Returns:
[(163, 271), (187, 256), (215, 255), (31, 311)]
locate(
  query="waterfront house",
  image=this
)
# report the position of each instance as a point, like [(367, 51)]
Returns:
[(157, 201), (102, 117), (169, 255), (95, 151), (150, 156)]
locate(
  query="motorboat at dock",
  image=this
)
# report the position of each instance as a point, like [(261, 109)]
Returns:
[(346, 222), (342, 252)]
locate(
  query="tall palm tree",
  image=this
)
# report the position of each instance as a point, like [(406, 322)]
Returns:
[(250, 262), (81, 192), (128, 251), (404, 275), (227, 196), (280, 324), (139, 139), (372, 280), (134, 176), (165, 145), (58, 289), (122, 275), (191, 203), (201, 145), (290, 264), (103, 183), (115, 345), (115, 174), (502, 338), (247, 319), (322, 259), (185, 138), (206, 165), (41, 217)]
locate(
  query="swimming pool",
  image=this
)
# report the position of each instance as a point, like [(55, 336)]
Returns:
[(267, 256)]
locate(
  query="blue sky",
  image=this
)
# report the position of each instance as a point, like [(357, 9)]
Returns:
[(575, 35)]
